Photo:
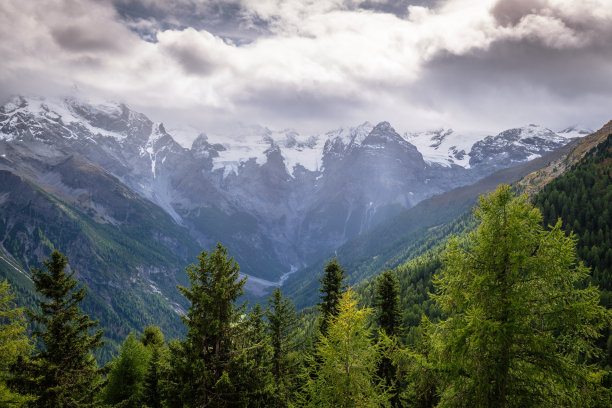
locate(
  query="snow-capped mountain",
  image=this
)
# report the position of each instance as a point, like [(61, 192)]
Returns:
[(276, 198)]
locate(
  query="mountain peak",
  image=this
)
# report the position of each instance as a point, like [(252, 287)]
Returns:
[(383, 133)]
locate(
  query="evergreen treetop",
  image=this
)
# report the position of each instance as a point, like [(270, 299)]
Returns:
[(519, 324), (64, 371), (332, 286)]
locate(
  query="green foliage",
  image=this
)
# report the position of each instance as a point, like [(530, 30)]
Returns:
[(346, 376), (517, 326), (152, 392), (127, 374), (64, 372), (388, 304), (14, 345), (582, 197), (389, 321), (282, 321), (152, 336), (332, 286), (106, 255), (203, 364), (282, 325)]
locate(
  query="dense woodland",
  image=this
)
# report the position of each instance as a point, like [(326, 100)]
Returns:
[(503, 313)]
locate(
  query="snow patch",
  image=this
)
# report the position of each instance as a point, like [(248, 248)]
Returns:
[(444, 146)]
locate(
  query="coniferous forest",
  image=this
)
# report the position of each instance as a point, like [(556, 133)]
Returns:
[(512, 312)]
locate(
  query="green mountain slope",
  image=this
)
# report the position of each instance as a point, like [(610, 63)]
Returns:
[(582, 197), (131, 267)]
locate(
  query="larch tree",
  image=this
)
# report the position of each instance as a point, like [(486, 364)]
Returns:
[(14, 344), (64, 370), (346, 376), (520, 321)]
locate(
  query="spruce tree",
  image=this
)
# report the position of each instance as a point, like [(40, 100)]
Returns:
[(152, 392), (520, 323), (282, 322), (14, 345), (214, 325), (388, 304), (332, 286), (252, 368), (389, 321), (127, 375), (64, 370), (281, 328), (153, 339)]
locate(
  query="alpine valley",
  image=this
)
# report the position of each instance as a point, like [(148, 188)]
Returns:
[(131, 207)]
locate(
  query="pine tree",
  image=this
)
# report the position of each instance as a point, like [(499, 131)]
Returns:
[(346, 376), (332, 286), (519, 323), (389, 320), (214, 324), (14, 344), (65, 372)]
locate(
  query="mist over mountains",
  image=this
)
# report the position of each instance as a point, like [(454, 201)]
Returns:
[(277, 199)]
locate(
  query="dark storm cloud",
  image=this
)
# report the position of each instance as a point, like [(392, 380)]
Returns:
[(521, 80), (510, 12), (192, 62), (79, 38)]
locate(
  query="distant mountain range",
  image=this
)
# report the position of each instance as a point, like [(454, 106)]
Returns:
[(295, 196), (131, 206)]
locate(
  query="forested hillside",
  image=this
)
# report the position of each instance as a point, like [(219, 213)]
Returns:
[(510, 310), (582, 198)]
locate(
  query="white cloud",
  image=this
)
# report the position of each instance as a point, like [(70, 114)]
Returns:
[(330, 53)]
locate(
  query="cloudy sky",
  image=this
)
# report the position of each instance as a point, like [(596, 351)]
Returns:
[(314, 65)]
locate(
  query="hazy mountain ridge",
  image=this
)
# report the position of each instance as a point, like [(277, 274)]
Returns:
[(277, 198)]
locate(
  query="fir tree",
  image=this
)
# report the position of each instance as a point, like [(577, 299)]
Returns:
[(65, 372), (519, 323), (14, 345), (332, 286)]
